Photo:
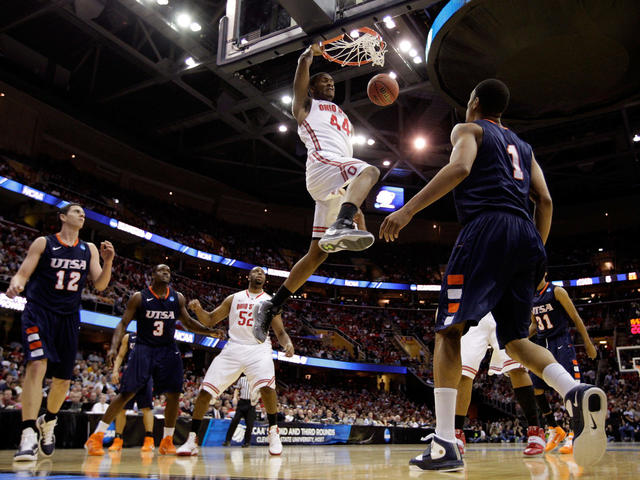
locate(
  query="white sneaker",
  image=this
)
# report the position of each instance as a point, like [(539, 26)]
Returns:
[(28, 450), (47, 438), (190, 447), (275, 445)]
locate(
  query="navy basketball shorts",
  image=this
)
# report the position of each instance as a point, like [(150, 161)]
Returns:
[(144, 398), (562, 349), (52, 336), (162, 364), (495, 263)]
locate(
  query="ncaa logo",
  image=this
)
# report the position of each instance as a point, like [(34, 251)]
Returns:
[(387, 435)]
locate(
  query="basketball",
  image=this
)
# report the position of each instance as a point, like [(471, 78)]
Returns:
[(382, 90)]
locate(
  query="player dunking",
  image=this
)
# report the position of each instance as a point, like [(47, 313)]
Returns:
[(326, 132), (56, 268), (155, 356), (552, 311), (242, 354), (143, 399), (496, 263), (473, 347)]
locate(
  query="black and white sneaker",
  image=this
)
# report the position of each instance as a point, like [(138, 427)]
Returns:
[(343, 235), (28, 449), (263, 313), (440, 455), (587, 406), (47, 438)]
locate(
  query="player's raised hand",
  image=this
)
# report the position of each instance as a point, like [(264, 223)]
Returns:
[(316, 49), (15, 287), (107, 252), (194, 306), (392, 224), (288, 349)]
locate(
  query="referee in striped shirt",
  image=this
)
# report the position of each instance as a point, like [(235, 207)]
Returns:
[(245, 409)]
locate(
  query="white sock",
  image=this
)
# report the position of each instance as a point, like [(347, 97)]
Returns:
[(102, 427), (168, 432), (445, 399), (191, 437), (558, 378)]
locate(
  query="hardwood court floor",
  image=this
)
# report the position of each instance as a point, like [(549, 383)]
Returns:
[(388, 462)]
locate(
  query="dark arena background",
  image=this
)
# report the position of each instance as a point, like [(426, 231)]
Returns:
[(170, 122)]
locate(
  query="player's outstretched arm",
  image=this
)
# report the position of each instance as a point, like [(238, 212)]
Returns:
[(464, 138), (301, 101), (132, 305), (542, 198), (124, 346), (214, 317), (29, 264), (563, 297), (100, 276), (189, 322), (282, 335)]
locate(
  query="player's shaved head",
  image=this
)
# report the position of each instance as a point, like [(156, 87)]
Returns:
[(493, 96)]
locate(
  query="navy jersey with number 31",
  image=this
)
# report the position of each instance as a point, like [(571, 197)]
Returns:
[(156, 317), (549, 314), (500, 176), (60, 276)]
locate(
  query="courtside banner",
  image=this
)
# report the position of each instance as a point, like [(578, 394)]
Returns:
[(290, 434)]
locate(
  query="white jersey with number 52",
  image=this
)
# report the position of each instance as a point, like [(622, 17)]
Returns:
[(326, 129), (241, 316)]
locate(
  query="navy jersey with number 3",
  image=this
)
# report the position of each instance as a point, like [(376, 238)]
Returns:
[(60, 276), (549, 314), (156, 317), (500, 176)]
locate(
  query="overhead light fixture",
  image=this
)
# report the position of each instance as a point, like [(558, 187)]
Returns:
[(388, 22), (170, 193), (371, 141), (73, 155), (354, 33), (386, 163), (162, 2), (286, 99), (417, 59), (115, 200), (601, 249), (405, 46), (190, 61), (393, 75), (419, 143), (183, 20), (282, 128), (636, 137), (413, 52), (195, 27), (359, 140)]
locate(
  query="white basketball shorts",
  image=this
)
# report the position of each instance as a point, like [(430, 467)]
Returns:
[(473, 348), (327, 175), (255, 361)]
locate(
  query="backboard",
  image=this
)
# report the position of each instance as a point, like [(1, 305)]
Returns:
[(628, 358), (254, 31)]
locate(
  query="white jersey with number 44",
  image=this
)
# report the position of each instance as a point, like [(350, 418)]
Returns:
[(241, 316), (326, 129)]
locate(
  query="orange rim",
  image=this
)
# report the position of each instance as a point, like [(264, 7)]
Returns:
[(337, 38)]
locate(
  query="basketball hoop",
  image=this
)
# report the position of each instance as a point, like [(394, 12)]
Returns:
[(367, 47)]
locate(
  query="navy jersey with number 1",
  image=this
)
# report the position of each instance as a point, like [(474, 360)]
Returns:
[(156, 317)]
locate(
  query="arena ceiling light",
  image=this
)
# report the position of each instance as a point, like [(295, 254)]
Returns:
[(417, 59), (388, 22), (405, 46), (636, 137), (354, 33), (282, 128), (413, 52), (393, 75), (419, 143), (162, 2), (359, 140), (286, 99), (386, 163), (183, 20), (195, 27), (371, 141), (190, 61)]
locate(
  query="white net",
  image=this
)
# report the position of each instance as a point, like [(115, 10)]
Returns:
[(366, 48)]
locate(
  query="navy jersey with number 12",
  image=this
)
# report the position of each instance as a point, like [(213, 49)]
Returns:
[(549, 314), (61, 274), (500, 176), (156, 317)]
